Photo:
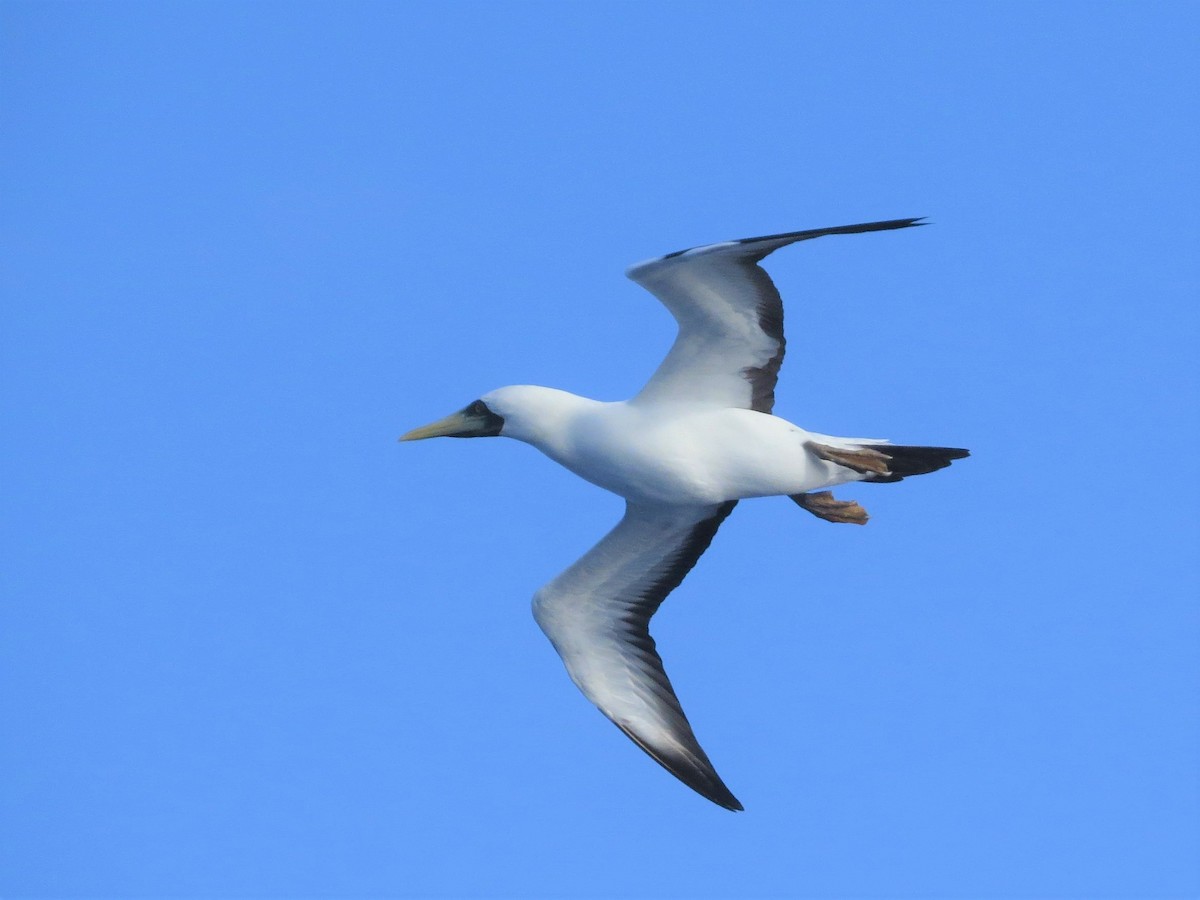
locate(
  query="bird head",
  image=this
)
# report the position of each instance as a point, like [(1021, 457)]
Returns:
[(476, 419), (525, 412)]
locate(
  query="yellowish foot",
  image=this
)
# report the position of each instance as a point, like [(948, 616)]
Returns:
[(864, 459), (823, 505)]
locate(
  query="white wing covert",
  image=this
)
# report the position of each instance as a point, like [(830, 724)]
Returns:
[(730, 344), (597, 615)]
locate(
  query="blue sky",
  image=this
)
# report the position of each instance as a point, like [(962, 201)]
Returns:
[(251, 646)]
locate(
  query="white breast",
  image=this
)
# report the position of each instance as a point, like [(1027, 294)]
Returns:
[(688, 455)]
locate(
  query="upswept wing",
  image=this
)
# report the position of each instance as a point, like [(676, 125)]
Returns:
[(730, 343), (597, 615)]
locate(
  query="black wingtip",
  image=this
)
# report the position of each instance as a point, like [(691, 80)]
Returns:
[(694, 770), (861, 228), (734, 805), (886, 225), (716, 791), (791, 237)]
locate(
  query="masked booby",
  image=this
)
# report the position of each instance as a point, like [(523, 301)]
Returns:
[(698, 438)]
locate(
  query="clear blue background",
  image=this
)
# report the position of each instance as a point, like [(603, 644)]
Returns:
[(251, 646)]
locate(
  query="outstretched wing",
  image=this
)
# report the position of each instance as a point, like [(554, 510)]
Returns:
[(730, 316), (597, 615)]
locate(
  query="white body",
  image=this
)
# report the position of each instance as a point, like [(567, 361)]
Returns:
[(699, 437), (681, 454)]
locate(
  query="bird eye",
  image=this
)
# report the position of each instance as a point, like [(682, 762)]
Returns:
[(478, 408)]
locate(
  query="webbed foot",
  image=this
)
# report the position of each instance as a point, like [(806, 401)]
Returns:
[(823, 505), (866, 460)]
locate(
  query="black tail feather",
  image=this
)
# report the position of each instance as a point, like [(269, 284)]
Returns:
[(904, 461)]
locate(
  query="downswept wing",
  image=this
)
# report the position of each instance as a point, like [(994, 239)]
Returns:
[(597, 615), (730, 343)]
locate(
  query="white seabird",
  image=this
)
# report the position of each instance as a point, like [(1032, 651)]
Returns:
[(698, 438)]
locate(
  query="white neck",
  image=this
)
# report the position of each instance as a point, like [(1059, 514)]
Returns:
[(539, 416)]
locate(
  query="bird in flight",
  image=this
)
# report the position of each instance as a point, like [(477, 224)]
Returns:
[(698, 438)]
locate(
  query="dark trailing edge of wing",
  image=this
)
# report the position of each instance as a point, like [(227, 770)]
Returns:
[(770, 308), (685, 560), (652, 596), (770, 319), (693, 768)]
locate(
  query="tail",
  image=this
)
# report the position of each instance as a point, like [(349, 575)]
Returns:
[(904, 461), (877, 462)]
